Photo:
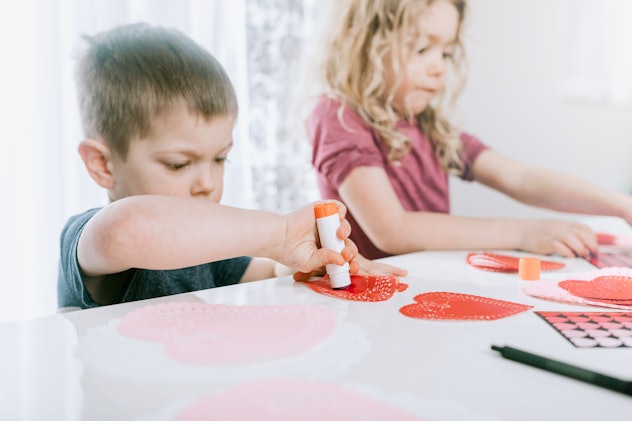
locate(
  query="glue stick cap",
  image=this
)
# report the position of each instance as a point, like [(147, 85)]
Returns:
[(322, 210), (529, 268)]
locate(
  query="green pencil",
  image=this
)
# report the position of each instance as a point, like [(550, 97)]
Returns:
[(568, 370)]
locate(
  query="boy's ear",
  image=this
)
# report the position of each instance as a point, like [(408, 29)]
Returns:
[(97, 156)]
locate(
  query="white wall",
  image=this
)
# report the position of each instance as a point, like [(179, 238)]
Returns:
[(513, 101)]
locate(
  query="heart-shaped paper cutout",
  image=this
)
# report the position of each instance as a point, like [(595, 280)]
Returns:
[(611, 288), (292, 399), (362, 288), (456, 306), (606, 239), (495, 262), (551, 290), (199, 333)]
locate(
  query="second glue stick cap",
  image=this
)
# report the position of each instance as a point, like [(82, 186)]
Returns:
[(529, 268)]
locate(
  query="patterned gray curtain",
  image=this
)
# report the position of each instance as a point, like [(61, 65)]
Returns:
[(282, 176)]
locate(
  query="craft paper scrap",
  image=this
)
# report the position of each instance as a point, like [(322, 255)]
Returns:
[(362, 288), (495, 262), (456, 306), (592, 329)]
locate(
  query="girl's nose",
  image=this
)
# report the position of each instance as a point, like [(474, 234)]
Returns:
[(438, 64)]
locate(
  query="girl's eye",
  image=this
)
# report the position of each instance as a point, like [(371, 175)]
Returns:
[(448, 55), (221, 159), (175, 166)]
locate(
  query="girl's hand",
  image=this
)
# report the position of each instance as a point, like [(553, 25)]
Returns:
[(566, 238)]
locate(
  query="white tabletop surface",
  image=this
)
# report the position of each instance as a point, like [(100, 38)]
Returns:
[(437, 370)]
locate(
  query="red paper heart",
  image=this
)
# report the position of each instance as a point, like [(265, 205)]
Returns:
[(501, 263), (605, 239), (455, 306), (615, 289), (362, 288)]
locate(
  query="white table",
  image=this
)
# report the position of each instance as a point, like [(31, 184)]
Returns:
[(441, 369)]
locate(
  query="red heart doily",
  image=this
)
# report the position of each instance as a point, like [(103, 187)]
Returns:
[(615, 289), (501, 263), (456, 306), (362, 288)]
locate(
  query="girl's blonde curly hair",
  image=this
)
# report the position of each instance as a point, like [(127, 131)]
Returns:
[(365, 37)]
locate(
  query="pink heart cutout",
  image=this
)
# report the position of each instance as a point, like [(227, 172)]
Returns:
[(198, 333)]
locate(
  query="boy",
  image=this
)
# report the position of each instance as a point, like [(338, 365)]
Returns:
[(158, 113)]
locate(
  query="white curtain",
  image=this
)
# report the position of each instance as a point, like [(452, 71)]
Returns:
[(599, 48), (42, 179)]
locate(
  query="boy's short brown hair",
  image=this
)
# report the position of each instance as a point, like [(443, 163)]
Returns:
[(131, 74)]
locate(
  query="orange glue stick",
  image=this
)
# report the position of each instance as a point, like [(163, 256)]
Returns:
[(328, 222)]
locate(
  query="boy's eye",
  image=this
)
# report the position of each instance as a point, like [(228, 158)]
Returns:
[(175, 166)]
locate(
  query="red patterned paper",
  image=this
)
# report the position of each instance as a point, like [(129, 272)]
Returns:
[(502, 263), (362, 288), (456, 306), (592, 329)]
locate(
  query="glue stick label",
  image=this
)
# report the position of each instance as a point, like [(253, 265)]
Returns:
[(328, 222)]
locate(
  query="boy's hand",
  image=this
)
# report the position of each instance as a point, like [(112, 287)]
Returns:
[(371, 267), (301, 249)]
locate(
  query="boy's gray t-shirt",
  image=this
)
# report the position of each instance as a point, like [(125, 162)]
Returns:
[(140, 283)]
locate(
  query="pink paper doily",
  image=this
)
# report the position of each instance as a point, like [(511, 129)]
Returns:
[(198, 333), (289, 400), (551, 290), (193, 342)]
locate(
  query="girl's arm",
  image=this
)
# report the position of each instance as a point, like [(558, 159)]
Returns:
[(162, 232), (549, 189), (369, 195)]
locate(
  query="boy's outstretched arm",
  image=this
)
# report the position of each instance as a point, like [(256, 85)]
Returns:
[(164, 232)]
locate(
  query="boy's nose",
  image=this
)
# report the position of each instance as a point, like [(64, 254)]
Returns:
[(204, 183)]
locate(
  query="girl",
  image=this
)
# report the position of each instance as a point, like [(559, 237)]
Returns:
[(383, 144)]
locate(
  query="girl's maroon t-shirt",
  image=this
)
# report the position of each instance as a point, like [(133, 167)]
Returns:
[(419, 181)]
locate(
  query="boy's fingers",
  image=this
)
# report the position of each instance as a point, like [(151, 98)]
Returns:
[(354, 267), (344, 230)]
